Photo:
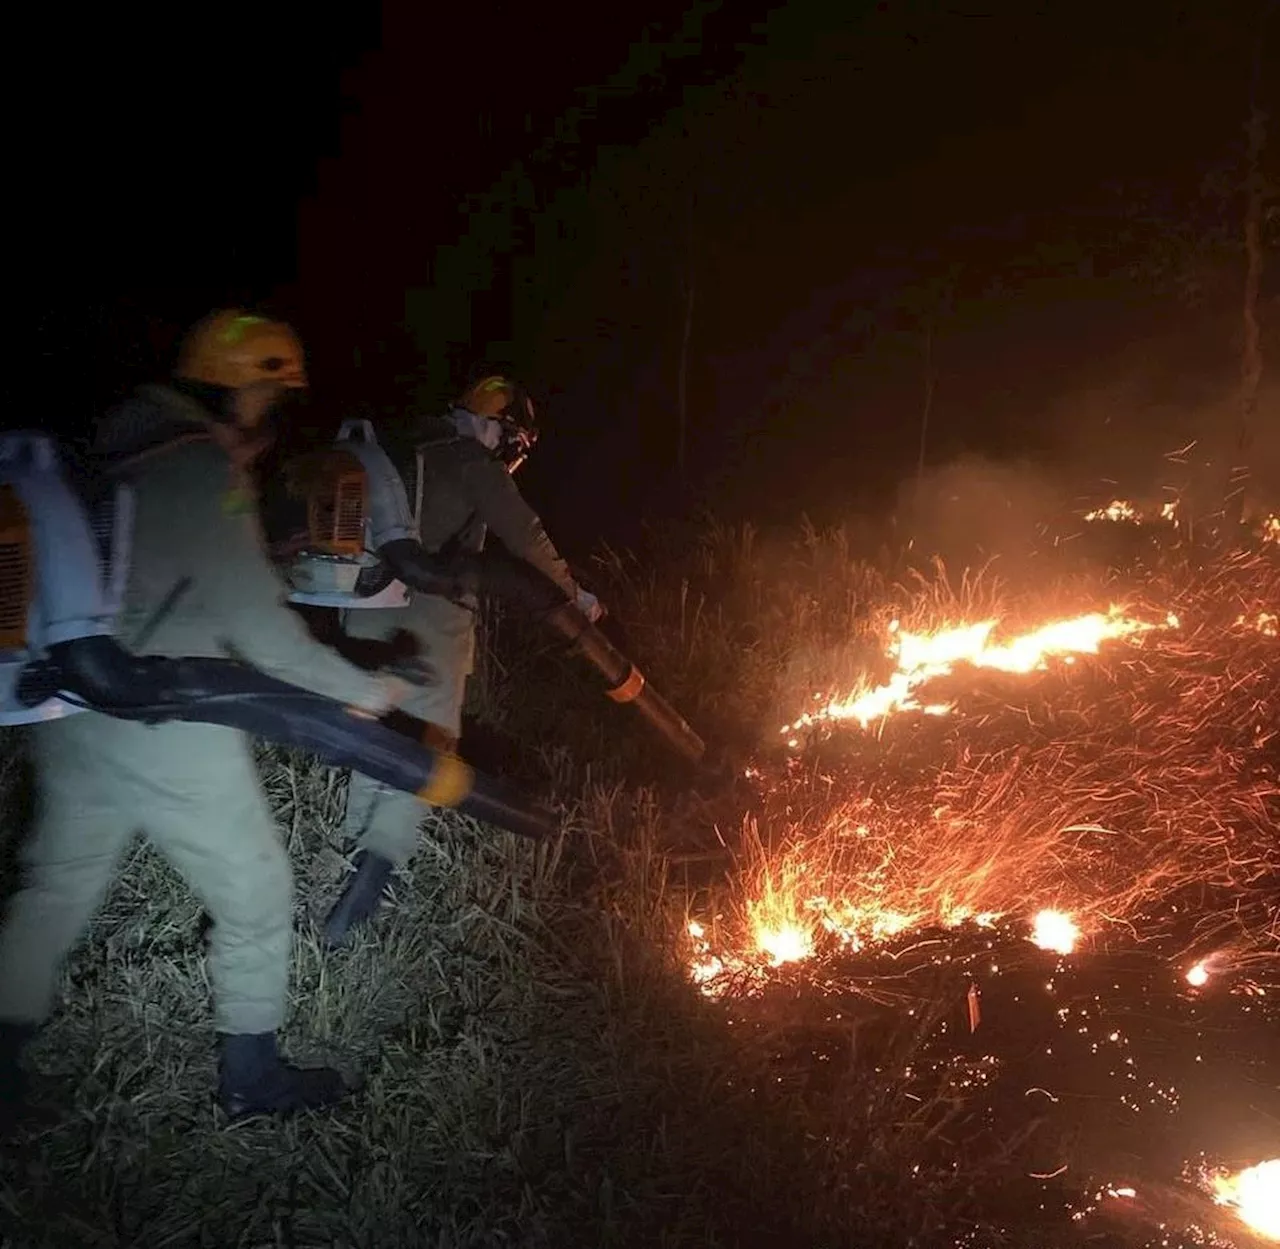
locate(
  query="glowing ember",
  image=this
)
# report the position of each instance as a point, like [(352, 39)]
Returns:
[(1254, 1194), (705, 966), (1265, 622), (1198, 976), (1117, 509), (1055, 931), (923, 657), (1270, 528), (1169, 511)]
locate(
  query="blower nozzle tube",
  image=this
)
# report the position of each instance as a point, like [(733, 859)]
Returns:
[(221, 691), (625, 683), (517, 581)]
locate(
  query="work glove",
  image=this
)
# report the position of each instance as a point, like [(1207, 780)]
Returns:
[(389, 692), (589, 605)]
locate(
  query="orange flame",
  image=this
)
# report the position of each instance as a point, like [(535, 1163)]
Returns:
[(923, 657), (1055, 931), (706, 965), (785, 928), (1254, 1194), (1123, 510), (787, 943), (1117, 509)]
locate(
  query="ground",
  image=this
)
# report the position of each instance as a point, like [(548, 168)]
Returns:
[(547, 1054)]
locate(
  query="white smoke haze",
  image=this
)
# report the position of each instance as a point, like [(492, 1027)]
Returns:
[(1151, 421), (975, 510)]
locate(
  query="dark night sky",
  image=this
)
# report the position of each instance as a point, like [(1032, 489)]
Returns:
[(420, 189)]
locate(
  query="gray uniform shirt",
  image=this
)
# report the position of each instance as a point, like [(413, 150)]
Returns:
[(467, 492), (197, 527)]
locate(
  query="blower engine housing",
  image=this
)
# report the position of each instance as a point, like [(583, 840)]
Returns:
[(64, 564), (355, 503)]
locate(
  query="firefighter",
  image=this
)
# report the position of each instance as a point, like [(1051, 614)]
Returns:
[(200, 584), (468, 460)]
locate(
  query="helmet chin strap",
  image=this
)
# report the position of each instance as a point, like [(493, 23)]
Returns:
[(243, 446), (484, 429), (218, 401)]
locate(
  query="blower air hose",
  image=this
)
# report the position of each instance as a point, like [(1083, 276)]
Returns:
[(444, 575), (220, 691)]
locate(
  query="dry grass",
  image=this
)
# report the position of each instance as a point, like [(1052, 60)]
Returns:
[(528, 1071), (1099, 789), (538, 1069)]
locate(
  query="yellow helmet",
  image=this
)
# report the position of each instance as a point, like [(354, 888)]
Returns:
[(488, 396), (234, 349)]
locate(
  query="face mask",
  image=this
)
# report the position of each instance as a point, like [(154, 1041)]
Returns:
[(485, 430)]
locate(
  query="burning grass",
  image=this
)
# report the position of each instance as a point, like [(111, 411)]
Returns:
[(1095, 787), (1082, 778)]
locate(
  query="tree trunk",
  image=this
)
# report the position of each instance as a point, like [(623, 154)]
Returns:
[(926, 410), (1251, 350), (682, 395)]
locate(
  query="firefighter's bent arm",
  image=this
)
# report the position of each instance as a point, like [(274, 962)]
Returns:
[(500, 505), (254, 622)]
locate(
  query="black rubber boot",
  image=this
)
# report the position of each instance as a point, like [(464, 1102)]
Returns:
[(359, 899), (253, 1080)]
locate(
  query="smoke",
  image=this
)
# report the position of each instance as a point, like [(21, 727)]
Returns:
[(1150, 413), (976, 510), (1159, 415)]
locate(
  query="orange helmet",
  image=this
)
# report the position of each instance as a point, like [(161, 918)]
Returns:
[(234, 349)]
